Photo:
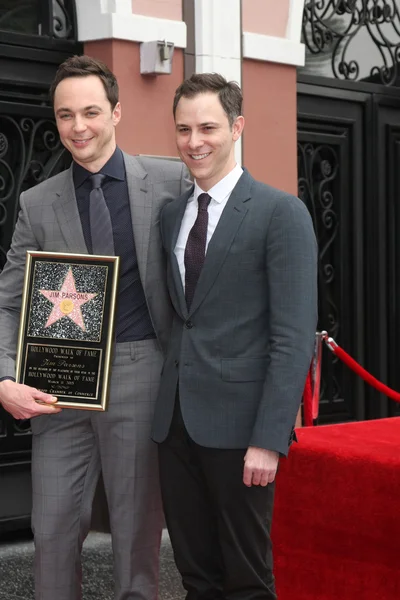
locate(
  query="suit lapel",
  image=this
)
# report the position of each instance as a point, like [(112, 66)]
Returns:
[(67, 214), (175, 221), (221, 241), (140, 201), (68, 218)]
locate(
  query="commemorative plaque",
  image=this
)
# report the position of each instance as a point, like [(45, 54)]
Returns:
[(66, 333)]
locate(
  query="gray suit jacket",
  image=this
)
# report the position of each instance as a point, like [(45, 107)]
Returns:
[(49, 220), (242, 352)]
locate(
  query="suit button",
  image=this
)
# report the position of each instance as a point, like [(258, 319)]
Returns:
[(176, 363), (188, 324)]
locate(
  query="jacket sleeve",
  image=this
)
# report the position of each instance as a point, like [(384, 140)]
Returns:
[(291, 270)]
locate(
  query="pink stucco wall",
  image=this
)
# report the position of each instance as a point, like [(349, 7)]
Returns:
[(147, 125), (162, 9), (269, 138), (268, 17)]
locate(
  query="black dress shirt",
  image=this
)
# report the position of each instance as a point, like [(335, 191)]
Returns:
[(132, 316)]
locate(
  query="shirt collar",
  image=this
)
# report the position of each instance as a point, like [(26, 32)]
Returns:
[(114, 168), (223, 188)]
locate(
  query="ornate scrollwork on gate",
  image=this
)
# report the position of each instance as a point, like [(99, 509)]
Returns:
[(30, 151), (352, 33), (62, 19), (318, 168)]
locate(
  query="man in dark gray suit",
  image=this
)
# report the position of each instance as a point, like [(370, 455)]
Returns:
[(242, 275), (70, 446)]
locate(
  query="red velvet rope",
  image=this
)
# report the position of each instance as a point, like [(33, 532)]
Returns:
[(357, 368), (311, 412)]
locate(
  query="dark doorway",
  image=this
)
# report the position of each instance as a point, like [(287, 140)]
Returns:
[(348, 159), (35, 37)]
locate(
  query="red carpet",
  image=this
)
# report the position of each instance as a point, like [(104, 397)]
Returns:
[(336, 527)]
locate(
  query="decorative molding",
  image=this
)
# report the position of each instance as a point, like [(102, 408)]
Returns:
[(273, 49), (217, 38), (295, 19), (111, 19), (217, 28), (286, 50), (122, 7)]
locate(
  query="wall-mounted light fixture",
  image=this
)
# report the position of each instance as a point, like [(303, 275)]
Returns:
[(156, 58)]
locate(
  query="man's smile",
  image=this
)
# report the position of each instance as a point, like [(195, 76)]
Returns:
[(199, 156), (79, 142)]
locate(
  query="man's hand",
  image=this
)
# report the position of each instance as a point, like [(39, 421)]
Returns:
[(22, 400), (260, 466)]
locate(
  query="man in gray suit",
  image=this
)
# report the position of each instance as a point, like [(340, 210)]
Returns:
[(242, 275), (71, 446)]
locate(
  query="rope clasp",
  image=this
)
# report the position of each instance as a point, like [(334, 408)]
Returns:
[(329, 341)]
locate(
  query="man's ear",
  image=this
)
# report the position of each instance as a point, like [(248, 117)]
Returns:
[(237, 128), (116, 114)]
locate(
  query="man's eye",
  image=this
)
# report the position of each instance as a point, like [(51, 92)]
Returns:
[(92, 114), (65, 116)]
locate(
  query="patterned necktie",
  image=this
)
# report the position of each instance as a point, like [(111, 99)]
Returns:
[(100, 221), (195, 250)]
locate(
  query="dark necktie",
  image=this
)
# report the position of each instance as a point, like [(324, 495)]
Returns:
[(100, 221), (195, 250)]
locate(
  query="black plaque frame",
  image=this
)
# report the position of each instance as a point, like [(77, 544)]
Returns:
[(71, 357)]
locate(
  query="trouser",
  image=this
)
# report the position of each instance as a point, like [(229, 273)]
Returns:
[(219, 528), (69, 450)]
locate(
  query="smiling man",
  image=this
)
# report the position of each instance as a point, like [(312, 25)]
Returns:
[(242, 275), (70, 446), (85, 123)]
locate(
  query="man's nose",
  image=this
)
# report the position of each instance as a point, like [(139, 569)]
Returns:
[(79, 124), (195, 141)]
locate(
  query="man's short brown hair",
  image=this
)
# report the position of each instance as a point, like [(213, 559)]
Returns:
[(229, 92), (83, 66)]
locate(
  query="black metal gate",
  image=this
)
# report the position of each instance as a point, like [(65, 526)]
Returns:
[(35, 37), (349, 177)]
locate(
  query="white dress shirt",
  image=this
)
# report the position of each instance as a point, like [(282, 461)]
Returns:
[(220, 194)]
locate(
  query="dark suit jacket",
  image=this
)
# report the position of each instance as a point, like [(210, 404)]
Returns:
[(242, 352)]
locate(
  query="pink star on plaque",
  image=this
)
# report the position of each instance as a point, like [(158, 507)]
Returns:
[(67, 302)]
